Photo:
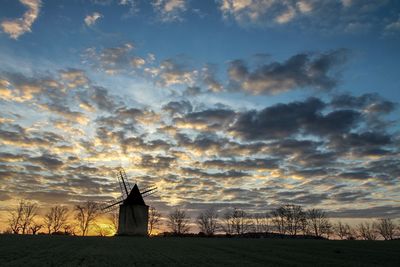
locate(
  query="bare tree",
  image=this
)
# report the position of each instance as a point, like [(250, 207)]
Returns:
[(35, 227), (86, 214), (56, 218), (178, 222), (306, 227), (48, 222), (289, 219), (154, 220), (227, 223), (295, 218), (69, 229), (318, 222), (386, 228), (367, 231), (208, 221), (261, 223), (114, 218), (344, 231), (278, 219), (16, 218), (22, 217), (236, 222), (28, 214)]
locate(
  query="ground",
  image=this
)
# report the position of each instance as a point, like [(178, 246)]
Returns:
[(136, 251)]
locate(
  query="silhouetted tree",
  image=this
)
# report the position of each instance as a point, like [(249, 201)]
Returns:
[(318, 222), (154, 220), (178, 222), (208, 221), (340, 229), (305, 227), (28, 214), (55, 219), (278, 219), (113, 218), (289, 219), (22, 217), (295, 218), (261, 223), (86, 214), (227, 224), (386, 228), (15, 220), (367, 231), (35, 227), (69, 229), (344, 231), (236, 222)]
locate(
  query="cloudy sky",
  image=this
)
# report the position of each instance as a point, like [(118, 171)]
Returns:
[(226, 103)]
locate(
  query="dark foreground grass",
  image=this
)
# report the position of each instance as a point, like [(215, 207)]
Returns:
[(134, 251)]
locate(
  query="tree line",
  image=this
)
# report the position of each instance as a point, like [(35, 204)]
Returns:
[(286, 220), (58, 219)]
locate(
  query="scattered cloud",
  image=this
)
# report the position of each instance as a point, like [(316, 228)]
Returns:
[(325, 16), (210, 80), (131, 4), (74, 78), (170, 10), (256, 11), (260, 75), (16, 27), (91, 20), (300, 71), (286, 16), (286, 120), (393, 27), (173, 71), (113, 60)]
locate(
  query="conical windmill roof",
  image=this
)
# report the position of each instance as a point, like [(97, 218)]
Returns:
[(134, 197)]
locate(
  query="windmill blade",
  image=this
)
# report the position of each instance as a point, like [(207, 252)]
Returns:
[(123, 182), (125, 178), (148, 190), (150, 193), (147, 187), (124, 195), (111, 205), (110, 209)]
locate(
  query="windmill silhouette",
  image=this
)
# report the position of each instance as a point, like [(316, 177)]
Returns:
[(133, 211)]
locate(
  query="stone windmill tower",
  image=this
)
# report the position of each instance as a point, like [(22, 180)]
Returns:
[(133, 211)]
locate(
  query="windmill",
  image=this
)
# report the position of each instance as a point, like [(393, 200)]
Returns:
[(133, 212)]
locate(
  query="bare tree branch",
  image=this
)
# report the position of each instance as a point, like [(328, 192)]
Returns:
[(208, 222), (55, 219), (154, 220), (386, 228), (178, 222), (86, 214)]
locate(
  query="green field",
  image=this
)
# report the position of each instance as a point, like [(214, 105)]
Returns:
[(128, 251)]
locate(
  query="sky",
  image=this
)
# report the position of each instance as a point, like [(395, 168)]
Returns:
[(228, 103)]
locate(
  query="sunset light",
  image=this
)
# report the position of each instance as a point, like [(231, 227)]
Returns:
[(241, 108)]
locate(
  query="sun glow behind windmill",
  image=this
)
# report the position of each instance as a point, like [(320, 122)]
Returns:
[(133, 212)]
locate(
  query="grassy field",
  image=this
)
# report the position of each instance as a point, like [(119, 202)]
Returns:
[(128, 251)]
